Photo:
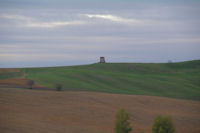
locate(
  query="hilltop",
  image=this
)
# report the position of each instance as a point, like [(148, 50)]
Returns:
[(175, 80)]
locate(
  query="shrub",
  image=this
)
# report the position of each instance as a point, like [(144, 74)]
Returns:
[(58, 87), (122, 124), (163, 125), (31, 83)]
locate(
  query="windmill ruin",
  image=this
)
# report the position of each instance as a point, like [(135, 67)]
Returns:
[(102, 60)]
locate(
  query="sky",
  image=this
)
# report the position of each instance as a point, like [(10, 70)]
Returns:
[(40, 33)]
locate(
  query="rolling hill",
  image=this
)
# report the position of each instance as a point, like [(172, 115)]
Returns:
[(175, 80)]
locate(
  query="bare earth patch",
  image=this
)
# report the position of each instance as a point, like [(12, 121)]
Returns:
[(18, 82), (37, 111), (3, 70)]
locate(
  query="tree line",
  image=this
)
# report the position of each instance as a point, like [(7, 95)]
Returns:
[(31, 83)]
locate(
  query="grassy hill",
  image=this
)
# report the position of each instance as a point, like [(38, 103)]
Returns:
[(176, 80)]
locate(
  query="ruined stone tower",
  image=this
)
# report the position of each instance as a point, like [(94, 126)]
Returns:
[(102, 60)]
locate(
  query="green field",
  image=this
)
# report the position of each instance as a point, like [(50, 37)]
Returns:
[(176, 80)]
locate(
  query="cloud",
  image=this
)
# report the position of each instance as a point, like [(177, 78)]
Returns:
[(31, 22), (111, 18), (16, 17), (35, 23), (53, 24)]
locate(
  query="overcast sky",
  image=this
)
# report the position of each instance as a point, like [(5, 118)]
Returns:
[(73, 32)]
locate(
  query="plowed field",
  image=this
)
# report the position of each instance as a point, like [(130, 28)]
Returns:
[(38, 111)]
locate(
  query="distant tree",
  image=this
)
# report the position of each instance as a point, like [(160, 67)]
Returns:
[(170, 61), (31, 83), (163, 125), (58, 87), (122, 124)]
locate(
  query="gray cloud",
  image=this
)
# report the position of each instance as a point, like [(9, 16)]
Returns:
[(64, 34), (34, 23)]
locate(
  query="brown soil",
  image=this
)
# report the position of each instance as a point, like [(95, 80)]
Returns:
[(3, 70), (14, 81), (37, 111), (18, 82)]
